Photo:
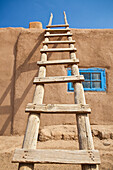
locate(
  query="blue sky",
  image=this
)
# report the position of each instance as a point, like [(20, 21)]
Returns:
[(80, 13)]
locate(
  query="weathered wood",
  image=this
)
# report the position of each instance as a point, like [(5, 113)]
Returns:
[(58, 108), (56, 62), (58, 79), (53, 26), (59, 42), (31, 134), (57, 30), (65, 19), (83, 125), (57, 35), (84, 131), (58, 50), (50, 20), (57, 156)]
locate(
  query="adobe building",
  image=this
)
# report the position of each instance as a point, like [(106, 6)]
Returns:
[(19, 53)]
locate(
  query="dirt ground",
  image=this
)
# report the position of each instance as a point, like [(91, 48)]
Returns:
[(9, 143)]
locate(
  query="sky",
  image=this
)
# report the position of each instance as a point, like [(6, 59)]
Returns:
[(97, 14)]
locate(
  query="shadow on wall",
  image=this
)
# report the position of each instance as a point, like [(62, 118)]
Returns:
[(26, 66), (17, 71)]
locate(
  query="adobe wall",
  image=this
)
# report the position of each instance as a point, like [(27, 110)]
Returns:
[(8, 41), (19, 52)]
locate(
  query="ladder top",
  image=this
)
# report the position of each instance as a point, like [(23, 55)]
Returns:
[(50, 22)]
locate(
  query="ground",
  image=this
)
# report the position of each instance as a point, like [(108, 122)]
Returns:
[(9, 143)]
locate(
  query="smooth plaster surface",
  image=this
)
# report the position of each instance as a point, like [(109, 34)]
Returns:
[(19, 52)]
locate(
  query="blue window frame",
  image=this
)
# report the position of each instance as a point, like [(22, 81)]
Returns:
[(95, 79)]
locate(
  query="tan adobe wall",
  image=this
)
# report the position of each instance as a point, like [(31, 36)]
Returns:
[(19, 52)]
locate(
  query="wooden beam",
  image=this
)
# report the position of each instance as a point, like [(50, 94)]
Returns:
[(53, 26), (58, 79), (57, 30), (57, 35), (56, 156), (58, 108), (57, 62), (59, 42), (58, 50)]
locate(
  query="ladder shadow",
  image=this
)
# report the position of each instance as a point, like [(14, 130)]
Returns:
[(54, 46)]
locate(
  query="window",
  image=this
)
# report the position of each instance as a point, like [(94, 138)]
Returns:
[(95, 79)]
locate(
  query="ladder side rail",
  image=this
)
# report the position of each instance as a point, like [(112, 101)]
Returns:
[(50, 20), (65, 18), (83, 124), (32, 130)]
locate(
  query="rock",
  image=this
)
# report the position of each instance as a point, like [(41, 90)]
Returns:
[(45, 135), (106, 143), (104, 135), (69, 132), (95, 132), (69, 136), (111, 135), (58, 132)]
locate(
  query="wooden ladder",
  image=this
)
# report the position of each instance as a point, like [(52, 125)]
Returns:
[(28, 155)]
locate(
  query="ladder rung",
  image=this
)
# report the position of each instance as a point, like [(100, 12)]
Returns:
[(57, 35), (58, 108), (58, 50), (59, 42), (56, 156), (52, 26), (56, 62), (58, 79), (57, 30)]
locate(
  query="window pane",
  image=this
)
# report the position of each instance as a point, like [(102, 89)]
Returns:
[(96, 76), (96, 84), (72, 85), (86, 76), (86, 84)]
